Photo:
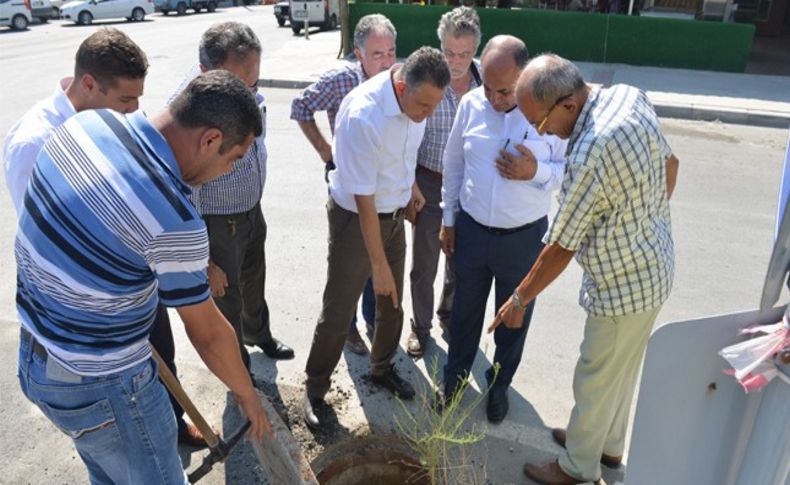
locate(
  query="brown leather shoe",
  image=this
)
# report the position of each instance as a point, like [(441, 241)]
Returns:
[(355, 344), (415, 345), (192, 436), (551, 474), (610, 461)]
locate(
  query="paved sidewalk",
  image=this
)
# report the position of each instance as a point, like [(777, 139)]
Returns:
[(751, 99)]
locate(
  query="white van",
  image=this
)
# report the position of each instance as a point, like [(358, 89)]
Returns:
[(321, 13), (15, 13)]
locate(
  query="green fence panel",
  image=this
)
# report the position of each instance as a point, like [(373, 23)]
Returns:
[(550, 31), (541, 30), (587, 37), (650, 41)]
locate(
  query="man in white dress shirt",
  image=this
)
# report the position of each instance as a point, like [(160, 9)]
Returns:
[(109, 72), (498, 177), (378, 130)]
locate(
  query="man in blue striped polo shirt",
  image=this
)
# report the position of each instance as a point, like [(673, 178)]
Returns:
[(106, 233)]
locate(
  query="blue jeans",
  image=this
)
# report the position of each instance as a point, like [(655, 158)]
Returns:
[(368, 305), (122, 424), (482, 258)]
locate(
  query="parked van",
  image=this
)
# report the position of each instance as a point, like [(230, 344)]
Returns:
[(321, 13), (15, 14)]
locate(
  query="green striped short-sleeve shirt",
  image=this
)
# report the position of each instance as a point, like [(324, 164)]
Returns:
[(614, 209)]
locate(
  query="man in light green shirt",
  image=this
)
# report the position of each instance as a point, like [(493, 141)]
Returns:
[(614, 218)]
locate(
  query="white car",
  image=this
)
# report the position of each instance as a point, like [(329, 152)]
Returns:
[(15, 13), (84, 12)]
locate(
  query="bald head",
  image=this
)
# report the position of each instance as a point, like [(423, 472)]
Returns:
[(550, 93), (505, 49), (503, 58), (548, 77)]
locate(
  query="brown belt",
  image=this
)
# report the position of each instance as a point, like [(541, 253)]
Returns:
[(430, 172)]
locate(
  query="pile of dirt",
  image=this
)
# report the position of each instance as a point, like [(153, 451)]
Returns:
[(287, 400)]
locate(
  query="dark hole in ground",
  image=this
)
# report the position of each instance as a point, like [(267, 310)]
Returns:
[(383, 460)]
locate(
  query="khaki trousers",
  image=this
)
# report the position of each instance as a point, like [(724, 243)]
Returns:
[(348, 268), (603, 388)]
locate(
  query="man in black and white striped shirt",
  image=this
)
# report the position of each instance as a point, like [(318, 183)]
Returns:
[(231, 204)]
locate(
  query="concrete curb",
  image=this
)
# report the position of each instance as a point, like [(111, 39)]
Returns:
[(724, 115), (665, 110)]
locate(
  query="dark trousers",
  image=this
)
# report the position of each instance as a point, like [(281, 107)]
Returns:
[(348, 268), (161, 339), (425, 257), (237, 245), (482, 257)]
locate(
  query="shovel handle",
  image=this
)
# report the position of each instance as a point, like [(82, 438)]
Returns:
[(177, 391)]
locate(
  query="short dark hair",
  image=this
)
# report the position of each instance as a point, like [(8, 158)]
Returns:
[(227, 40), (218, 99), (108, 54), (426, 64)]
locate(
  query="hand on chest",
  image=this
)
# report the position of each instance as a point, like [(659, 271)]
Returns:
[(485, 141)]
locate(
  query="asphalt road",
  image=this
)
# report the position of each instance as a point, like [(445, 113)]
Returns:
[(723, 218)]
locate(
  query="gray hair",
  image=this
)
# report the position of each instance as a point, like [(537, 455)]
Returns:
[(227, 40), (459, 22), (218, 99), (374, 23), (425, 65), (552, 77)]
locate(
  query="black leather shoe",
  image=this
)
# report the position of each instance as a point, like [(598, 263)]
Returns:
[(394, 383), (314, 411), (497, 407), (438, 402), (274, 349)]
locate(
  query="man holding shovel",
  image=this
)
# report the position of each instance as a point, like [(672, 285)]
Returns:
[(105, 235)]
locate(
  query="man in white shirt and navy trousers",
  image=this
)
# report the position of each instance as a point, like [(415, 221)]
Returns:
[(498, 177), (378, 131)]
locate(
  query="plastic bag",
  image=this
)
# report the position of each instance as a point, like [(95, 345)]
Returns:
[(752, 360)]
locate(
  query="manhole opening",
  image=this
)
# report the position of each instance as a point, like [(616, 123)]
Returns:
[(379, 460)]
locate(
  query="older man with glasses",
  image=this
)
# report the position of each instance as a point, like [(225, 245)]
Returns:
[(614, 218), (459, 34)]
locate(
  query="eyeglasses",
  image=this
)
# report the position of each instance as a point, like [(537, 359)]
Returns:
[(466, 55), (546, 118)]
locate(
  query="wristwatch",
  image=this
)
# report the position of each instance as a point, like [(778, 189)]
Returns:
[(517, 302)]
